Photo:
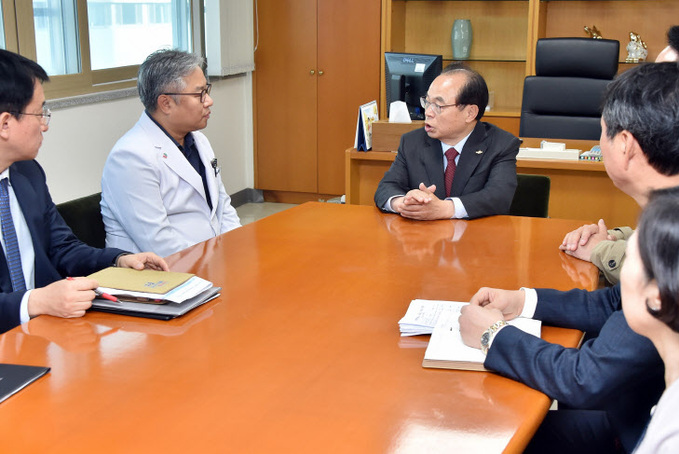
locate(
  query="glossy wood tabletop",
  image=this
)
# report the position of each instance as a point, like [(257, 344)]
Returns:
[(301, 353)]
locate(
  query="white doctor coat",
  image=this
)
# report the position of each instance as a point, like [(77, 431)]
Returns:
[(153, 199)]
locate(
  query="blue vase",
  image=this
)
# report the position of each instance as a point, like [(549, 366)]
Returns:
[(461, 38)]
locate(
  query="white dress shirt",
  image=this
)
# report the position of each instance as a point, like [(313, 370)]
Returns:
[(460, 210)]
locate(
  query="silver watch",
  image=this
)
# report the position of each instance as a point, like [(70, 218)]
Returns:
[(487, 336)]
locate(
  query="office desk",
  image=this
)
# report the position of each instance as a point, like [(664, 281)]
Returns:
[(579, 189), (301, 353)]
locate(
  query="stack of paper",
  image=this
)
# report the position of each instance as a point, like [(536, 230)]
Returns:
[(152, 294), (446, 349), (549, 150), (422, 315), (541, 153), (149, 286)]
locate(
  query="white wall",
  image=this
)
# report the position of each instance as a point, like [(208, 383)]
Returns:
[(75, 148)]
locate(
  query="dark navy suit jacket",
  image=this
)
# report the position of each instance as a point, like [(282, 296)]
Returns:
[(485, 182), (58, 252), (617, 371)]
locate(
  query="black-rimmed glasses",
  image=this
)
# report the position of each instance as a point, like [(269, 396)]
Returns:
[(203, 93)]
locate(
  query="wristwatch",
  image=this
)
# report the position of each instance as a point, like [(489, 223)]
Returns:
[(489, 334)]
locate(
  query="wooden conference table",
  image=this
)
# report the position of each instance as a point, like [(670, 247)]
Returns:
[(301, 353)]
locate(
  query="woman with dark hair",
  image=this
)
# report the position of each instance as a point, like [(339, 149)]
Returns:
[(650, 301)]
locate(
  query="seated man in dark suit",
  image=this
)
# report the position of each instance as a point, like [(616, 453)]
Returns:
[(606, 247), (606, 388), (38, 249), (456, 166)]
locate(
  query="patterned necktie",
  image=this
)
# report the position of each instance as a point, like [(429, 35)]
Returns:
[(12, 253), (451, 154)]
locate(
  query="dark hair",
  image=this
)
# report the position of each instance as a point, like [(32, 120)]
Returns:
[(474, 92), (164, 71), (17, 81), (673, 37), (658, 235), (645, 101)]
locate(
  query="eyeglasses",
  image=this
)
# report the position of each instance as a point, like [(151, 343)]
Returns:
[(204, 92), (45, 115), (437, 107)]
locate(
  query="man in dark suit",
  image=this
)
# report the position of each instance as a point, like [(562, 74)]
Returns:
[(38, 249), (606, 388), (456, 166)]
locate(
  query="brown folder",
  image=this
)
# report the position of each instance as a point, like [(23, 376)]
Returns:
[(147, 281)]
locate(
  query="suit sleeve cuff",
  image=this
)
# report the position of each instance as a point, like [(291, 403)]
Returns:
[(387, 205), (460, 210), (23, 308), (115, 260), (530, 303)]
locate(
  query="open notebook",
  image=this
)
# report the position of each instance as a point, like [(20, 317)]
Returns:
[(446, 350)]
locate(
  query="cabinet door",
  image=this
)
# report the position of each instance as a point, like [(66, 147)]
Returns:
[(349, 57), (285, 96)]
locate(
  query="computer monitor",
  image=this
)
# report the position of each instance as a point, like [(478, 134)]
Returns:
[(408, 77)]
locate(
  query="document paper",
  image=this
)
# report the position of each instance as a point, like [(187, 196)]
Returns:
[(446, 349)]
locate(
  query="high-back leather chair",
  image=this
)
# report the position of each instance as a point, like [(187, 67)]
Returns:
[(83, 216), (531, 197), (563, 99)]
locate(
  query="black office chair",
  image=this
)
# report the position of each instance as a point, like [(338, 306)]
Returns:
[(563, 99), (531, 197), (83, 216)]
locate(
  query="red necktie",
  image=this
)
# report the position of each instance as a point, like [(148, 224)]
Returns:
[(451, 154)]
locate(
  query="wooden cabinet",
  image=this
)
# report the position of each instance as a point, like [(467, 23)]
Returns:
[(316, 62), (505, 33)]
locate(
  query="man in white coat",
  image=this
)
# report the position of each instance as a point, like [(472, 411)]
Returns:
[(161, 187)]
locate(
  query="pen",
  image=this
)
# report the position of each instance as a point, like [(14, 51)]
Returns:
[(106, 296)]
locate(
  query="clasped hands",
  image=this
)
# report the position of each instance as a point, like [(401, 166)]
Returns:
[(69, 298), (581, 242), (485, 308), (422, 204)]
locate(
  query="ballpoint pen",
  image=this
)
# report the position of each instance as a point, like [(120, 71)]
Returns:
[(100, 294), (106, 296)]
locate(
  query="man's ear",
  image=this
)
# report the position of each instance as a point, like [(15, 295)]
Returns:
[(472, 112), (5, 118), (165, 103), (631, 149)]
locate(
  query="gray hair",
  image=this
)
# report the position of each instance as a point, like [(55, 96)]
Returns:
[(164, 71)]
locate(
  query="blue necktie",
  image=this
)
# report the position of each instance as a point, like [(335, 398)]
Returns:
[(12, 253)]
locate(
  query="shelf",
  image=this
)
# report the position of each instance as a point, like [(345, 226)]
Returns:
[(469, 0), (502, 112), (450, 59), (499, 28)]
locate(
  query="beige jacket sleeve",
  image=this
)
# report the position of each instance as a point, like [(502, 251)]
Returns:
[(609, 256)]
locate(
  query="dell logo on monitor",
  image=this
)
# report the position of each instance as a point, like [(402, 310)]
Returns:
[(408, 60)]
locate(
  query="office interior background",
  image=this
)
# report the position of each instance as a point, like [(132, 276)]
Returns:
[(288, 141), (92, 93)]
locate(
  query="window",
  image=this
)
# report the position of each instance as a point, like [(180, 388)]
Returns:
[(124, 33), (3, 45), (56, 36), (93, 45)]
